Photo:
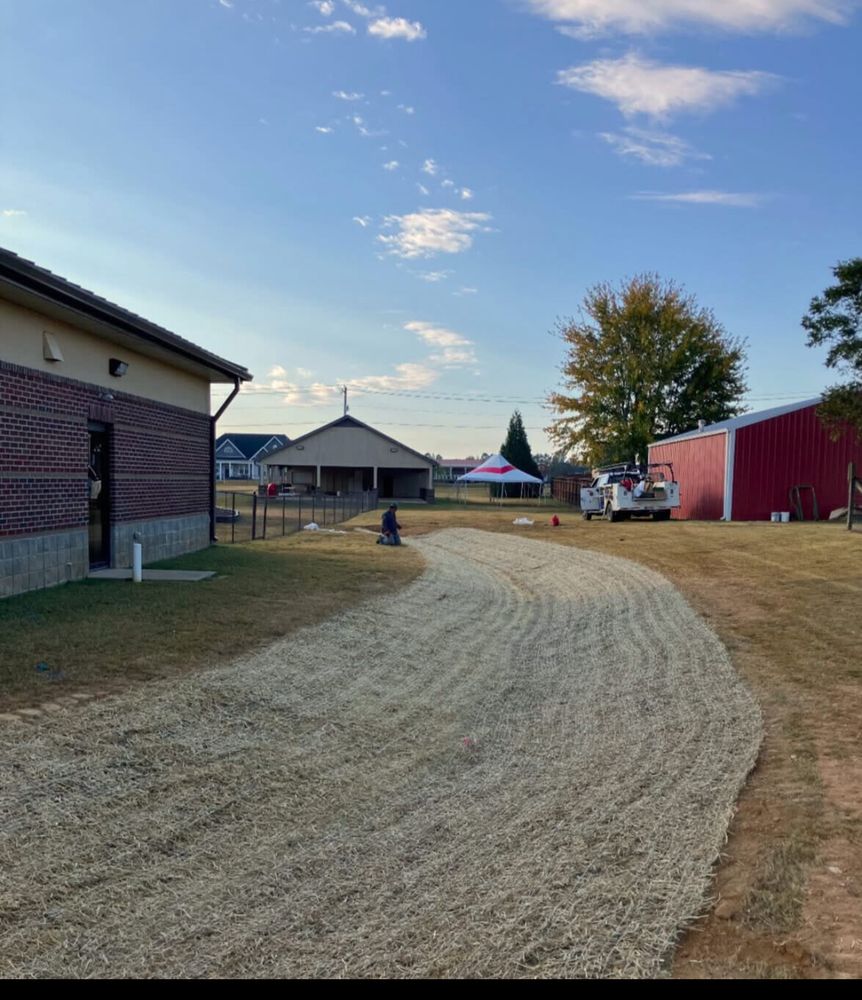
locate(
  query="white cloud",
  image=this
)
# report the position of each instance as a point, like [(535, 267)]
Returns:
[(448, 184), (325, 7), (361, 10), (432, 231), (12, 213), (292, 393), (587, 18), (466, 194), (226, 3), (397, 27), (347, 95), (362, 220), (657, 149), (433, 277), (409, 376), (407, 109), (466, 291), (364, 130), (391, 165), (337, 27), (640, 86), (324, 129), (423, 190), (430, 167), (731, 198), (453, 348)]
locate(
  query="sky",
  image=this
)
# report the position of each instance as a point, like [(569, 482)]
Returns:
[(406, 197)]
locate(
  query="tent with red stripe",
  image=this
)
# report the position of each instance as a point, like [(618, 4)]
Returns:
[(497, 469)]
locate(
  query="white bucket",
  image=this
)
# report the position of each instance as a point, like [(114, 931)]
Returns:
[(785, 516), (776, 517)]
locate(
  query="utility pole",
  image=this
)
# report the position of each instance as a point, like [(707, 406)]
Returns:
[(346, 407)]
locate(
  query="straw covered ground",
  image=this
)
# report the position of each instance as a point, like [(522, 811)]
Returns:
[(523, 764)]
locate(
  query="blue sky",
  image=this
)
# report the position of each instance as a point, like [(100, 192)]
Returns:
[(405, 196)]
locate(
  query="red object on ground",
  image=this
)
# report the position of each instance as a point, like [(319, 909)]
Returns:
[(555, 521), (272, 490)]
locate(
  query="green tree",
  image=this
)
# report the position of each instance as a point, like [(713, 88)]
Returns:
[(516, 449), (643, 362), (835, 318)]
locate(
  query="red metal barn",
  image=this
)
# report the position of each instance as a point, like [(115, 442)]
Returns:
[(743, 469)]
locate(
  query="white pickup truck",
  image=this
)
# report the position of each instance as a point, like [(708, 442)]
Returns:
[(622, 491)]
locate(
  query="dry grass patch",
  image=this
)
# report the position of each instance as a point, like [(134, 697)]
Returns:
[(522, 764), (101, 635), (785, 600)]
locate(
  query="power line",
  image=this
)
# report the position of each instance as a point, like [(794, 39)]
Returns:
[(454, 427), (464, 397)]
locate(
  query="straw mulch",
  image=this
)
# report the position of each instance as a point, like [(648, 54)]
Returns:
[(521, 765)]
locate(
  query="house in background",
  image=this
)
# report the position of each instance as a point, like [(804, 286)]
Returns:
[(348, 456), (105, 432), (743, 469), (240, 456), (449, 469)]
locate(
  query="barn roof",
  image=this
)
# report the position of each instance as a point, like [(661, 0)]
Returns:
[(743, 420), (348, 421)]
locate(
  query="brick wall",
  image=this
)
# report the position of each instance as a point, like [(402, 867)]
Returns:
[(159, 454)]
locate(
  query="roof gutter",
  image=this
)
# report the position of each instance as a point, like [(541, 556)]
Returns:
[(237, 382)]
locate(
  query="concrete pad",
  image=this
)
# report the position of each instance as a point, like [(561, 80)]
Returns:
[(155, 575)]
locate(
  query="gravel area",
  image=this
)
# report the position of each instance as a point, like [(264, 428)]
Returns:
[(523, 764)]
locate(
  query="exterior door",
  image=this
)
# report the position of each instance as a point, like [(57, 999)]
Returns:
[(592, 500), (100, 493)]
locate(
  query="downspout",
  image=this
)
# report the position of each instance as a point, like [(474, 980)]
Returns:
[(213, 421)]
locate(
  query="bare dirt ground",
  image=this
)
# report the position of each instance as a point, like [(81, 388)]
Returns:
[(522, 764)]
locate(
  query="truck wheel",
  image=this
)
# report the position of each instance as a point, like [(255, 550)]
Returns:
[(586, 516), (661, 515), (611, 514)]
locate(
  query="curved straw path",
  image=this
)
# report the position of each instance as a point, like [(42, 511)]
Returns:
[(523, 764)]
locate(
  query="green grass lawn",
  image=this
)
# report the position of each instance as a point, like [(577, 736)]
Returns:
[(100, 635)]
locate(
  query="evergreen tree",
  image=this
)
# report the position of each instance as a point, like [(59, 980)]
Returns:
[(516, 449)]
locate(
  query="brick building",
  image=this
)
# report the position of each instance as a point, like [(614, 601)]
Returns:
[(105, 431)]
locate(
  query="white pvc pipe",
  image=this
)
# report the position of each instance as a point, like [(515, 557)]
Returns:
[(137, 562)]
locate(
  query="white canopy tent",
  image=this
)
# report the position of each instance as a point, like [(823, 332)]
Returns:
[(497, 469)]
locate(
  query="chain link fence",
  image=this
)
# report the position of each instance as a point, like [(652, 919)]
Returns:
[(250, 517)]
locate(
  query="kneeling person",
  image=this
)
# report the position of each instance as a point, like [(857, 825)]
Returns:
[(390, 527)]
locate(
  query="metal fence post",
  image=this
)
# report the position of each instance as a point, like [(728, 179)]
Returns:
[(851, 490), (283, 513), (265, 514), (233, 518), (253, 516)]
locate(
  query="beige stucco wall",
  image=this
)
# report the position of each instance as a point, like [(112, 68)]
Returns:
[(85, 358), (351, 447)]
